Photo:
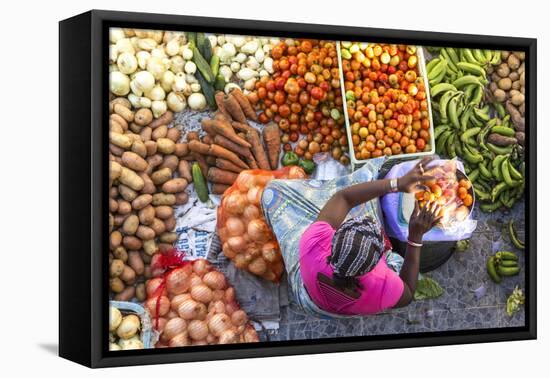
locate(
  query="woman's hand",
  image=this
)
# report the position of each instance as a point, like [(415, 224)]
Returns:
[(412, 180), (422, 220)]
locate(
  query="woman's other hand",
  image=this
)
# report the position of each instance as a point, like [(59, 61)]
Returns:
[(422, 220), (415, 178)]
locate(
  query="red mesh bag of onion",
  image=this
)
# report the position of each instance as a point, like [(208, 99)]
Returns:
[(192, 303), (246, 238)]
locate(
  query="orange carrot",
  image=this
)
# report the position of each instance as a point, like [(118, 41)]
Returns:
[(211, 160), (252, 162), (164, 119), (219, 97), (226, 165), (258, 149), (192, 135), (219, 176), (231, 146), (207, 127), (232, 107), (243, 127), (217, 151), (225, 129), (219, 188), (272, 139), (207, 139), (248, 110)]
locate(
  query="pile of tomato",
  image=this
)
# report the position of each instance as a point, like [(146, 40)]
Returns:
[(303, 97), (386, 100)]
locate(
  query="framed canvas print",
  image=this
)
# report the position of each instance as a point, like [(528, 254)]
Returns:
[(235, 188)]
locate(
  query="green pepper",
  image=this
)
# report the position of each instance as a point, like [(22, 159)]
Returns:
[(290, 158), (307, 165)]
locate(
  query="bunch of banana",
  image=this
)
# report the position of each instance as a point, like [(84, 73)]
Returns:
[(457, 86), (452, 64)]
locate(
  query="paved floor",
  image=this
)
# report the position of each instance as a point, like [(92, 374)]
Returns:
[(459, 308)]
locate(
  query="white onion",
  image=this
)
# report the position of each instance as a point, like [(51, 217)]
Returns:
[(115, 318), (129, 326)]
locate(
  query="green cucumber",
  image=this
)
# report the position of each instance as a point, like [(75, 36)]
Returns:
[(202, 65), (207, 90), (200, 183)]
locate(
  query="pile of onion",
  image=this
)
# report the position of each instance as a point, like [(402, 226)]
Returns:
[(195, 305), (247, 239)]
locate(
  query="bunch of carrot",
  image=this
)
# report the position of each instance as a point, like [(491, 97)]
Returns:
[(231, 145)]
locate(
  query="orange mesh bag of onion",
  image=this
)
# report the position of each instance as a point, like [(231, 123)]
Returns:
[(192, 303), (246, 237)]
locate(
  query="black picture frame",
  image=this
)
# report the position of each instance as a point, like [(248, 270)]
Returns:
[(83, 162)]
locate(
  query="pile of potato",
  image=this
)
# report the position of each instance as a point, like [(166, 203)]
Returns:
[(148, 176), (124, 330), (508, 87)]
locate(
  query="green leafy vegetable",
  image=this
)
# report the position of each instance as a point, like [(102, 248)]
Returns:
[(514, 301), (426, 288)]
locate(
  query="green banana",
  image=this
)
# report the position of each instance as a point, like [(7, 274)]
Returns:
[(479, 56), (450, 64), (431, 64), (482, 114), (443, 102), (497, 58), (516, 175), (453, 55), (438, 78), (480, 194), (497, 150), (505, 171), (484, 171), (503, 130), (465, 117), (469, 56), (472, 68), (466, 80), (500, 109), (472, 175), (436, 71), (440, 88), (441, 142), (452, 112), (451, 146), (440, 129), (513, 236), (469, 134), (497, 189), (471, 155)]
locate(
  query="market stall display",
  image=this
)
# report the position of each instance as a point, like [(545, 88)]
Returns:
[(266, 109), (387, 105)]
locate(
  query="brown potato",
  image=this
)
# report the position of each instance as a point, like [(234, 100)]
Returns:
[(151, 147), (136, 262), (116, 268), (135, 128), (145, 134), (149, 186), (139, 148), (130, 225), (150, 247), (113, 192), (174, 185), (174, 134), (124, 112), (115, 127), (181, 149), (127, 193), (145, 233), (131, 179), (184, 170), (141, 201), (505, 83), (164, 212), (115, 170), (159, 132), (145, 257), (120, 140), (115, 239), (143, 116), (513, 62), (115, 150), (141, 294), (121, 254), (124, 207), (119, 120), (166, 146), (163, 247), (119, 219), (147, 214), (117, 286), (125, 295), (160, 199), (154, 161), (168, 237), (182, 198), (132, 242), (161, 176), (171, 162), (128, 275), (158, 226), (122, 101), (113, 205), (170, 223), (134, 161)]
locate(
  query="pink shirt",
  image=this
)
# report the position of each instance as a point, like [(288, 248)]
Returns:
[(382, 287)]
